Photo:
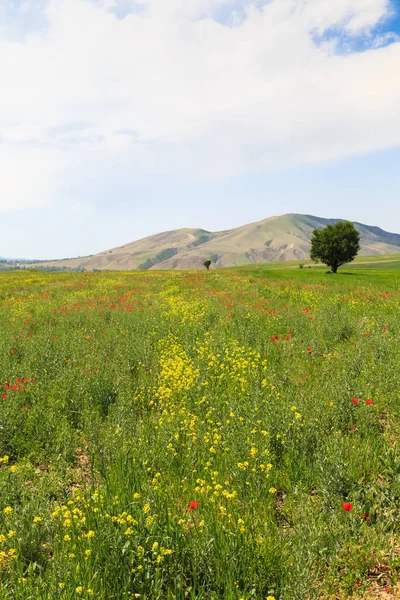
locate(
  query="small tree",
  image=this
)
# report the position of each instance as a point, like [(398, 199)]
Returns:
[(335, 245), (207, 264)]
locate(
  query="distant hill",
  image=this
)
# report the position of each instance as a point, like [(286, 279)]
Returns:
[(274, 239)]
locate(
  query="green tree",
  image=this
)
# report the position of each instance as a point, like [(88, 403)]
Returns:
[(335, 245), (207, 264)]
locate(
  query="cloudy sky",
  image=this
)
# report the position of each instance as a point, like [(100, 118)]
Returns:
[(122, 118)]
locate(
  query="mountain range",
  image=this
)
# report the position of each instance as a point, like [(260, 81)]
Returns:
[(280, 238)]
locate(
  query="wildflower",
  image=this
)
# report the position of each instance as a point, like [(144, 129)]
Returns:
[(79, 589), (347, 506), (309, 350), (37, 519), (192, 505), (8, 510), (355, 400), (368, 401), (272, 490), (89, 534)]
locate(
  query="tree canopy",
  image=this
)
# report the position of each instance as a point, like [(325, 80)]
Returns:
[(335, 245)]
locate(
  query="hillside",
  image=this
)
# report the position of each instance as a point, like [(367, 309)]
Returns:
[(282, 238)]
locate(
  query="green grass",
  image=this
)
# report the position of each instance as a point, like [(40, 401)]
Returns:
[(381, 261), (173, 435)]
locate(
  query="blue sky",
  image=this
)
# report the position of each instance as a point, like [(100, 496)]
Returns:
[(119, 119)]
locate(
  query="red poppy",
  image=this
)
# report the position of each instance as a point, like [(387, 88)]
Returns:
[(15, 388), (347, 506), (354, 400), (7, 385), (309, 350), (353, 427), (192, 505), (368, 401), (4, 395)]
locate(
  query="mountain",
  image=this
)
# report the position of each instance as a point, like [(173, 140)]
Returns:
[(274, 239)]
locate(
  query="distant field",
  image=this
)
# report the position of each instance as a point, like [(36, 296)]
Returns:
[(222, 435), (384, 261)]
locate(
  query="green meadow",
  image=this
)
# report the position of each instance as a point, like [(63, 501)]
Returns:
[(230, 434)]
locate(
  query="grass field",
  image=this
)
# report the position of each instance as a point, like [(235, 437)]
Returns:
[(212, 435), (379, 261)]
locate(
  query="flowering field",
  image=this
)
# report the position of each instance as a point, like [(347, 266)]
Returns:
[(226, 435)]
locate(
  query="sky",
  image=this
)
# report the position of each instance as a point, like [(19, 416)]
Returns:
[(124, 118)]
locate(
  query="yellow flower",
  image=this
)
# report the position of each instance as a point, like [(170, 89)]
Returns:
[(8, 510), (146, 509), (37, 519), (67, 538), (2, 538), (79, 589), (89, 534), (14, 468), (88, 553), (89, 592), (272, 490), (11, 533)]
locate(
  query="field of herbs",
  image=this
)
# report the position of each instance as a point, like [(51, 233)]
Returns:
[(230, 435)]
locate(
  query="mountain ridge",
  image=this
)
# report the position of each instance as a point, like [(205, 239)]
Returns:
[(274, 239)]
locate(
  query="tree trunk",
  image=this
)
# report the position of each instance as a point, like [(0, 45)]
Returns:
[(334, 269)]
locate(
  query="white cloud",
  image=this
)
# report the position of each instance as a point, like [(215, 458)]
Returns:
[(170, 88), (28, 177)]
